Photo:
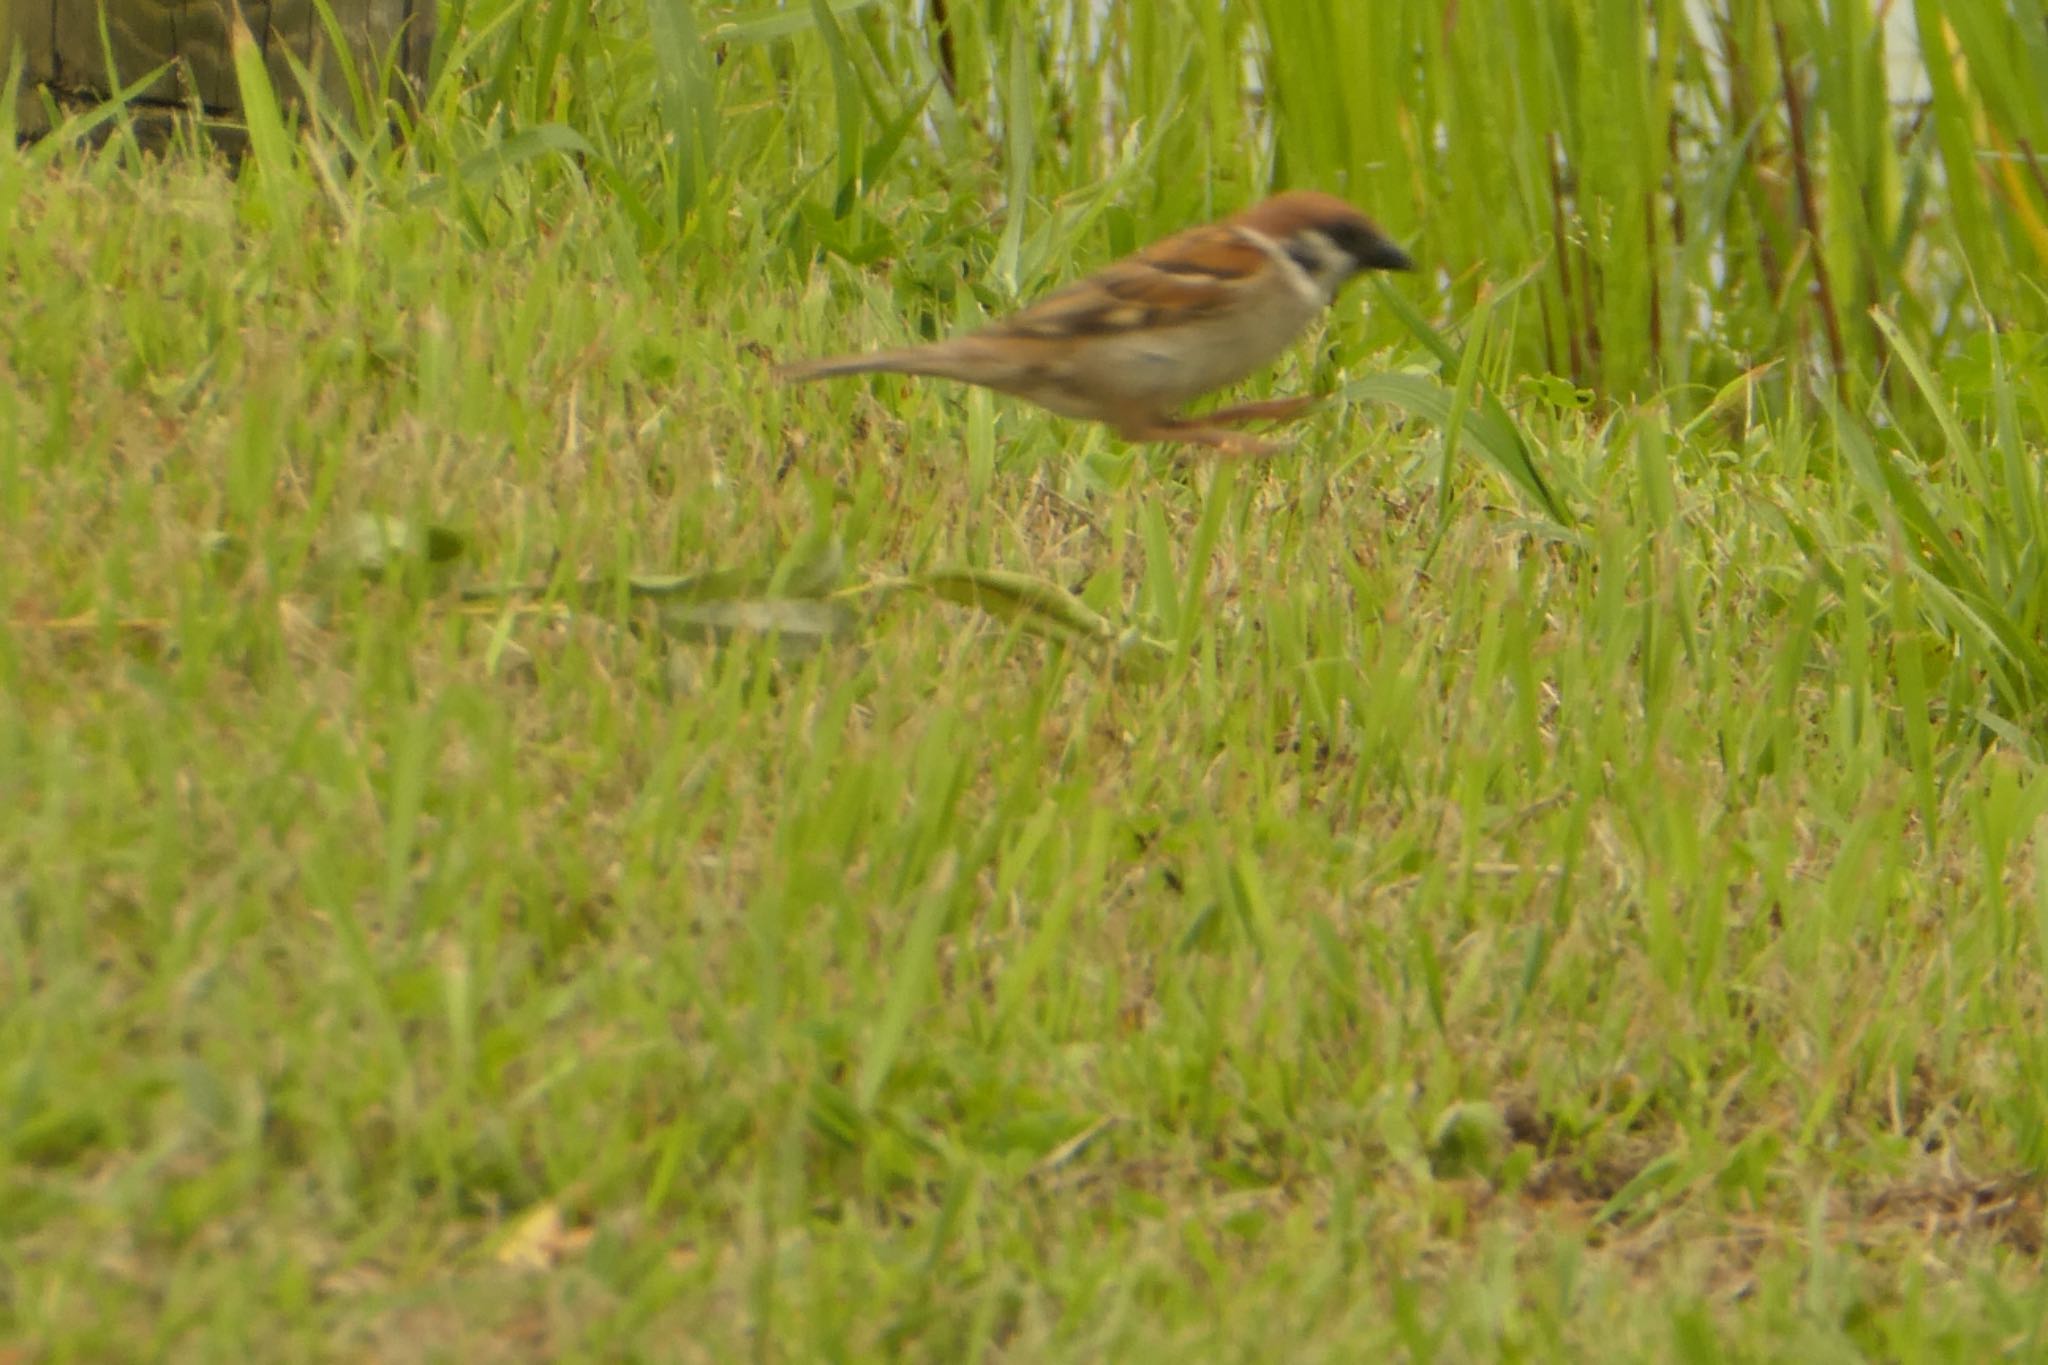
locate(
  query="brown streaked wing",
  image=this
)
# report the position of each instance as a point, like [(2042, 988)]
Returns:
[(1183, 279)]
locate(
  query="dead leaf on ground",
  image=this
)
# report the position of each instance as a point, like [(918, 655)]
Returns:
[(540, 1241)]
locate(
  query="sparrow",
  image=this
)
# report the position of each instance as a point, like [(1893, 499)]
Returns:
[(1133, 342)]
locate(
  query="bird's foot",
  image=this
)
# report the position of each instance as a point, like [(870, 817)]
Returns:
[(1266, 410)]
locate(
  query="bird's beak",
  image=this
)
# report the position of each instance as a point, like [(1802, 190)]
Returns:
[(1384, 255)]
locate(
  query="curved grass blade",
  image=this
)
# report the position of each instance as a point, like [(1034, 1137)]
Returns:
[(1486, 427), (1036, 605)]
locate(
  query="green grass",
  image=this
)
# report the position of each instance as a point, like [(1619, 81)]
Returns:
[(1134, 905)]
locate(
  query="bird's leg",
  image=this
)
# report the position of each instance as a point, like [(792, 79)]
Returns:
[(1196, 431), (1267, 410)]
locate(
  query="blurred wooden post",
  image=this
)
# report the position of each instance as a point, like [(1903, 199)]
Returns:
[(61, 51)]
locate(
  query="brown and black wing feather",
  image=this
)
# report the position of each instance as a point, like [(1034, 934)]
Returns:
[(1173, 283)]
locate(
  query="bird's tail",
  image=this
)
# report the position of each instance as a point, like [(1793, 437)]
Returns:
[(909, 360)]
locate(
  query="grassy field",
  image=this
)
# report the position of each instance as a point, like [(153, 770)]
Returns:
[(521, 840)]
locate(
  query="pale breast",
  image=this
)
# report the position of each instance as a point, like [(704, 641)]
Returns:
[(1161, 370)]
